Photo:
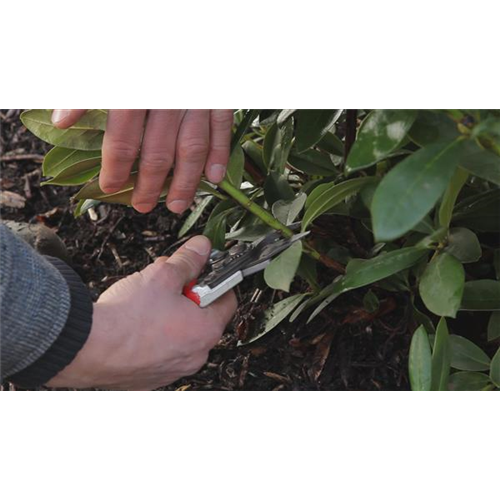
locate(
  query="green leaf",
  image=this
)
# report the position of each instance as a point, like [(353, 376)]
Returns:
[(411, 189), (442, 285), (382, 132), (480, 163), (286, 211), (215, 230), (331, 144), (245, 124), (325, 297), (72, 177), (195, 215), (86, 134), (284, 115), (312, 126), (308, 271), (277, 187), (313, 162), (70, 167), (469, 381), (92, 191), (363, 273), (235, 166), (496, 263), (463, 245), (249, 233), (433, 126), (420, 361), (494, 326), (421, 319), (255, 152), (465, 355), (371, 302), (83, 206), (326, 196), (479, 212), (495, 369), (276, 314), (280, 272), (425, 226), (277, 145), (205, 187), (58, 159), (450, 196), (441, 358), (490, 126), (481, 295)]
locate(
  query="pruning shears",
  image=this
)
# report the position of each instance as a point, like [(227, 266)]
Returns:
[(225, 269)]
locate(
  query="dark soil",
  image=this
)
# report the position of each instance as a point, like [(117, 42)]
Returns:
[(343, 348)]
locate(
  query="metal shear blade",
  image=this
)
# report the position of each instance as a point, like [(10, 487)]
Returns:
[(270, 251), (227, 269)]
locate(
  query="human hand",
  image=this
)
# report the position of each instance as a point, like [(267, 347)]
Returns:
[(197, 140), (145, 334)]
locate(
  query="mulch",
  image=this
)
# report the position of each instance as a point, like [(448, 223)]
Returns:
[(344, 348)]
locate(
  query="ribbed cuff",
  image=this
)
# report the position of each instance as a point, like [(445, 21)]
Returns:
[(71, 339)]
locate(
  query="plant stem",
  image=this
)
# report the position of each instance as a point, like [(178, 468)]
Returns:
[(257, 210), (268, 219)]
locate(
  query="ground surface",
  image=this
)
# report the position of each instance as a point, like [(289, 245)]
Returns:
[(339, 350)]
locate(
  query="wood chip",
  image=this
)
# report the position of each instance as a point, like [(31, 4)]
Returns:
[(116, 255), (12, 200), (20, 157), (320, 356), (279, 378), (92, 214)]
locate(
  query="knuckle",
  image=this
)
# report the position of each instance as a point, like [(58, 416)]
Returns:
[(222, 118), (172, 273), (183, 189), (130, 114), (156, 162), (193, 149), (123, 151)]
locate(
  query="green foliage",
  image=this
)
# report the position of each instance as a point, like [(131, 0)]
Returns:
[(420, 190), (442, 285), (420, 361)]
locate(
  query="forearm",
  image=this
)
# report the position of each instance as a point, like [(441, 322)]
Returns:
[(46, 313)]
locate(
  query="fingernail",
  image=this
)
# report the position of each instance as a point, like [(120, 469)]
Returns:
[(144, 207), (216, 173), (110, 189), (199, 244), (58, 115), (177, 206)]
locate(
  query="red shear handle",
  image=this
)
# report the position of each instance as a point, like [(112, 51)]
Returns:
[(190, 293)]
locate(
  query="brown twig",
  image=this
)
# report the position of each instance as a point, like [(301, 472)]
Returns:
[(20, 157), (254, 171), (108, 236)]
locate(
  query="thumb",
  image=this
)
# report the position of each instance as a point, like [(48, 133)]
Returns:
[(64, 118), (184, 265)]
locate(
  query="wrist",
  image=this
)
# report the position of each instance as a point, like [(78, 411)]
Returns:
[(88, 367)]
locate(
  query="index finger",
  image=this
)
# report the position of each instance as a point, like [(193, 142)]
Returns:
[(223, 309), (120, 147), (64, 118)]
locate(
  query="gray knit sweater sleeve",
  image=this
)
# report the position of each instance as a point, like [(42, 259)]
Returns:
[(46, 313)]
